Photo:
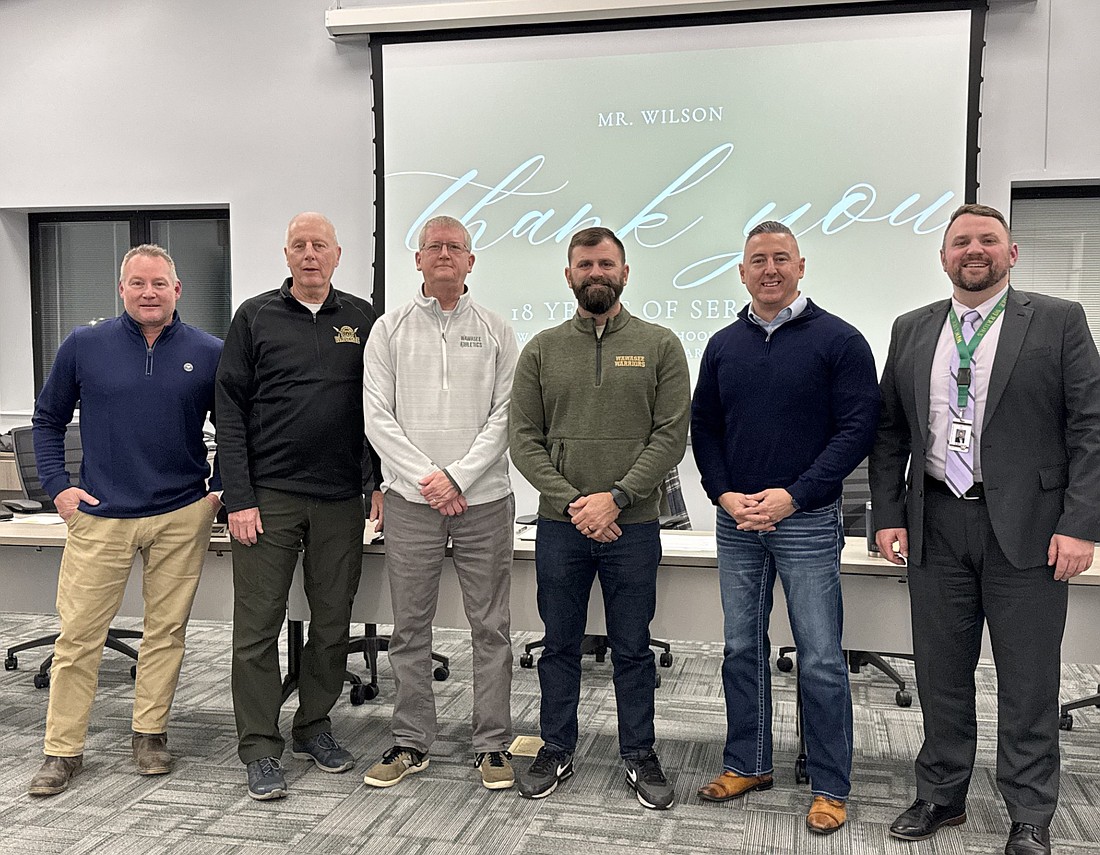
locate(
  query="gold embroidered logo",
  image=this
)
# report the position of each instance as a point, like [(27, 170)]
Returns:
[(347, 334), (630, 362)]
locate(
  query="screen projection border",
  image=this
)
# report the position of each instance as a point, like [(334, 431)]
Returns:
[(977, 8)]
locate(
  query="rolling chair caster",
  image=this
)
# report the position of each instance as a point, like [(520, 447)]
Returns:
[(441, 673), (526, 660), (133, 672), (1065, 721), (362, 692), (903, 698), (42, 681), (801, 776), (11, 663), (785, 664), (666, 660)]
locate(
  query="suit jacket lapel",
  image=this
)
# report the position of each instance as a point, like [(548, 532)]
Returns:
[(1014, 324), (924, 350)]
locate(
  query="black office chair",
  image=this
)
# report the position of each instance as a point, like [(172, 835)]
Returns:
[(23, 446), (673, 516)]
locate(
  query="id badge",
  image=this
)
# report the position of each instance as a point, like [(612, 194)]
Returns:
[(959, 434)]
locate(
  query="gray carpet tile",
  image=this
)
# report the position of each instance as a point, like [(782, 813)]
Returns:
[(203, 806)]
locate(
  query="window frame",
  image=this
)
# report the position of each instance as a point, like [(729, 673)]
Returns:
[(140, 220)]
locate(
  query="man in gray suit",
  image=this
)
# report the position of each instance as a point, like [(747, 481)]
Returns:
[(992, 400)]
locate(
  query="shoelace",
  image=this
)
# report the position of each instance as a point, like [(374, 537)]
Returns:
[(496, 758), (394, 754), (269, 766), (544, 761), (325, 740), (650, 771)]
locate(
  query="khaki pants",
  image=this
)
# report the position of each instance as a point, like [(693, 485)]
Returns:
[(94, 569)]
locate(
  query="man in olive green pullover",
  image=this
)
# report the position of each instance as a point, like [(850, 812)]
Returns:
[(599, 415)]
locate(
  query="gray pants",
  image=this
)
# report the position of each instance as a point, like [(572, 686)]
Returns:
[(416, 541)]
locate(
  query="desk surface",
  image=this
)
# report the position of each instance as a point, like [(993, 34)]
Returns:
[(876, 598), (680, 549)]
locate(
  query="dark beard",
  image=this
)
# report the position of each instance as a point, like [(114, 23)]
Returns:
[(598, 294), (994, 275)]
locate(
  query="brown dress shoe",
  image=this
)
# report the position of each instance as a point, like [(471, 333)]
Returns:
[(54, 775), (729, 785), (826, 815), (151, 753)]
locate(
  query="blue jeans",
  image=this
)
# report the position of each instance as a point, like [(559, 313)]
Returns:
[(805, 552), (566, 563)]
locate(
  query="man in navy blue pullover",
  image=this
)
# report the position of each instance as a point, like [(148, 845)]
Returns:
[(785, 408), (145, 383)]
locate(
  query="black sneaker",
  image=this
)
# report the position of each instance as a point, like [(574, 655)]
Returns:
[(550, 768), (649, 783), (325, 752), (265, 779)]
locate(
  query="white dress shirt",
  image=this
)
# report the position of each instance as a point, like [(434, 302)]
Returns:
[(942, 387)]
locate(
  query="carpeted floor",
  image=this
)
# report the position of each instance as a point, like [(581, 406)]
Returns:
[(203, 807)]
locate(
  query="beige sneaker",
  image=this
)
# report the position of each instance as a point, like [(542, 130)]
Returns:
[(395, 765), (151, 753), (496, 769), (54, 776)]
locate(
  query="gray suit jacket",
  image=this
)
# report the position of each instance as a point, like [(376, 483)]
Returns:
[(1040, 443)]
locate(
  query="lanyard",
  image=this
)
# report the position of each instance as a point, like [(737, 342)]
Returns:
[(966, 349)]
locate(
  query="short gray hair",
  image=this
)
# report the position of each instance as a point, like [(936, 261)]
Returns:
[(321, 217), (443, 222), (152, 251)]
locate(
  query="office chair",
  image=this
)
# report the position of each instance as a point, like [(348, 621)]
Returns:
[(23, 445), (674, 516)]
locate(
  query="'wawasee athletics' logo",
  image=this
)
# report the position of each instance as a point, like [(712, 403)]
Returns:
[(630, 362), (347, 334)]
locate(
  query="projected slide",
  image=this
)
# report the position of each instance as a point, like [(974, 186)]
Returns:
[(850, 130)]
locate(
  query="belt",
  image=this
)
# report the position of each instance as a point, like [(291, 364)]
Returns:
[(975, 493)]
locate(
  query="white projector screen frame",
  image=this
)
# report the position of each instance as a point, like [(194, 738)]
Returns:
[(856, 130)]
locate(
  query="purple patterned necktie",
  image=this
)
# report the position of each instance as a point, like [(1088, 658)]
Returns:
[(959, 465)]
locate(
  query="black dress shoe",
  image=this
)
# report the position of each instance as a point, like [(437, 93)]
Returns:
[(1027, 839), (924, 819)]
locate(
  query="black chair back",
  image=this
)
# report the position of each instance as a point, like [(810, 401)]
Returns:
[(23, 446)]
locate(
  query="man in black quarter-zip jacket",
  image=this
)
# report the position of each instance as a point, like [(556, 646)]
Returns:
[(289, 384)]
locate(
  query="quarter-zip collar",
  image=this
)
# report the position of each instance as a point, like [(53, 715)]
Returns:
[(588, 325), (331, 304), (432, 306)]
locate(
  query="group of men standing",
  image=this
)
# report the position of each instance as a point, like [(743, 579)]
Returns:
[(984, 443)]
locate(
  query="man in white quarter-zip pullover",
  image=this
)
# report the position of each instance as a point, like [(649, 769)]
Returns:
[(436, 386)]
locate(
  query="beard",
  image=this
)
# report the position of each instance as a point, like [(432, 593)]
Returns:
[(993, 274), (598, 294)]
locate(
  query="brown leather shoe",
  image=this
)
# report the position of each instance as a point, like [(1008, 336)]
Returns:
[(54, 775), (729, 785), (826, 815), (151, 753)]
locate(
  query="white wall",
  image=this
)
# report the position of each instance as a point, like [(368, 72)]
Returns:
[(249, 103), (129, 103)]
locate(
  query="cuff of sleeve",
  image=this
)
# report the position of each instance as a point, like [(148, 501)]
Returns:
[(450, 478)]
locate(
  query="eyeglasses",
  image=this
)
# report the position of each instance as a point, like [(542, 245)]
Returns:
[(452, 248)]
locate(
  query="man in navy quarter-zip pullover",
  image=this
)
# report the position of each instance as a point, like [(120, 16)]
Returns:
[(290, 439), (785, 408), (145, 383), (436, 386)]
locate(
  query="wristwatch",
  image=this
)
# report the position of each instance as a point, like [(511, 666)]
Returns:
[(621, 498)]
